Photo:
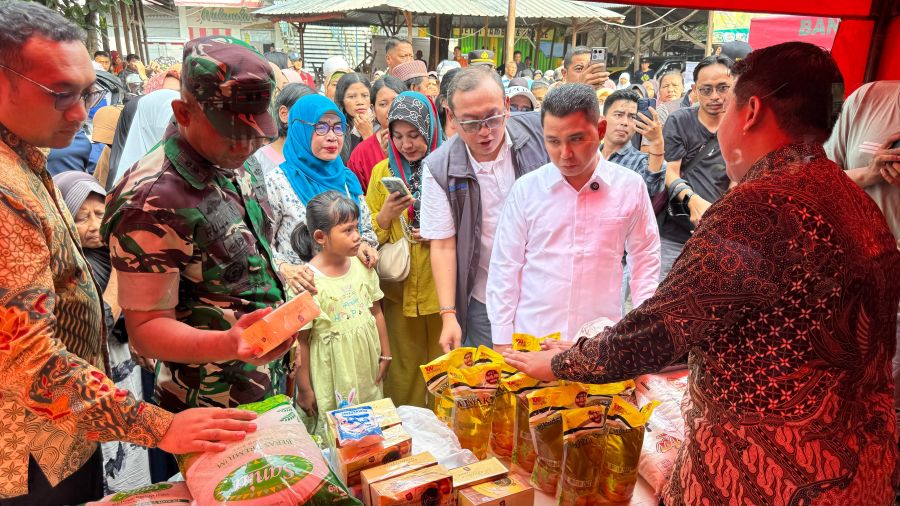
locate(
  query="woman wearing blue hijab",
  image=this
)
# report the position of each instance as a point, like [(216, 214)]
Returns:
[(312, 165), (411, 306)]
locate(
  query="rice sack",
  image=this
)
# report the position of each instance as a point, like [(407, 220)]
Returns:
[(151, 495), (436, 381), (664, 433), (474, 391), (277, 464)]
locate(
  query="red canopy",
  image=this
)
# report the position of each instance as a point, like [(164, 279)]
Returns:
[(867, 45)]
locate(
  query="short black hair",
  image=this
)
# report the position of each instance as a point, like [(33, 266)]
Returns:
[(799, 82), (100, 53), (390, 82), (442, 95), (280, 59), (517, 52), (617, 96), (712, 60), (23, 20), (131, 57), (344, 84), (414, 81), (572, 53), (289, 96), (571, 98), (469, 78), (394, 42)]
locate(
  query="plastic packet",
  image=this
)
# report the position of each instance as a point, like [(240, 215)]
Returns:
[(474, 391), (624, 439), (357, 426), (503, 419), (436, 381), (529, 343), (277, 464), (159, 493), (523, 455), (584, 448), (431, 435), (664, 431)]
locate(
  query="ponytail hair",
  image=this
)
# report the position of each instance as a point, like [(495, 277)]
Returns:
[(323, 212)]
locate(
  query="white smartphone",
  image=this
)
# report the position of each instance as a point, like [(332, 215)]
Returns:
[(598, 56), (394, 185)]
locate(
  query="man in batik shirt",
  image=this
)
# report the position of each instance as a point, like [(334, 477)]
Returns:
[(56, 402), (189, 236), (785, 299)]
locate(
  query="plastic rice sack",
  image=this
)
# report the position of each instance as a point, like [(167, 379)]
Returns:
[(545, 408), (159, 493), (436, 381), (474, 391), (664, 433), (523, 455), (528, 342), (277, 464), (624, 439)]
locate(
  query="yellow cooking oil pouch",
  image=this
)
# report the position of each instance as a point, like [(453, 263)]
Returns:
[(473, 391), (435, 374)]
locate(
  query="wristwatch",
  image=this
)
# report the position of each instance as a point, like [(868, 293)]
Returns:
[(687, 198)]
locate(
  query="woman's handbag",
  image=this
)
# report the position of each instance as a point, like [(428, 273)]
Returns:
[(393, 258)]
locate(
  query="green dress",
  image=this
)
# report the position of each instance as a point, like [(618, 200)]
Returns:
[(344, 345)]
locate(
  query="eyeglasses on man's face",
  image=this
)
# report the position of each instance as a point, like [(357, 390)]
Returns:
[(707, 91), (475, 125), (322, 128), (64, 100)]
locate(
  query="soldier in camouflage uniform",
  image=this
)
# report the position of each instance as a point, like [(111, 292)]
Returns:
[(189, 236)]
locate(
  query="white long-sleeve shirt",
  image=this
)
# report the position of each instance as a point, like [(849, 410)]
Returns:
[(557, 257)]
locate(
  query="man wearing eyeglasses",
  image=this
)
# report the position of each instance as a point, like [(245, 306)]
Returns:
[(695, 170), (189, 235), (56, 402), (464, 186)]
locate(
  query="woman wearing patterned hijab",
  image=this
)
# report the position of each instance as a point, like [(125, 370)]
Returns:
[(411, 306)]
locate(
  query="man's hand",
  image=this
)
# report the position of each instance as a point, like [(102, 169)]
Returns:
[(651, 129), (885, 162), (306, 399), (367, 255), (246, 352), (593, 76), (451, 333), (207, 430), (299, 277), (536, 364), (697, 206)]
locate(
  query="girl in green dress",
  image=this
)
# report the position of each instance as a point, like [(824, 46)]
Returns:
[(344, 353)]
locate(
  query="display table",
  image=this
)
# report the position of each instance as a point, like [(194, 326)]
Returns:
[(643, 496)]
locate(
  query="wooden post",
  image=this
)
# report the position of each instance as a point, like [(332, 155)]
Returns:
[(637, 38), (710, 29), (135, 33), (536, 43), (552, 50), (119, 46), (124, 12), (574, 32), (408, 16), (484, 43), (146, 47), (510, 32)]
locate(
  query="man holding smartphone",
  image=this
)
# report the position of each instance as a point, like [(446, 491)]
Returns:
[(578, 68)]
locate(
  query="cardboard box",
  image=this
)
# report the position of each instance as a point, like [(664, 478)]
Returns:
[(479, 472), (509, 491), (392, 470), (385, 414), (432, 486), (351, 461)]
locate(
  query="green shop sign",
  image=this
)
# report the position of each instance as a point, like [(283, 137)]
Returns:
[(228, 16)]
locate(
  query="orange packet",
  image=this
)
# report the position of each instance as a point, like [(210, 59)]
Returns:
[(281, 324)]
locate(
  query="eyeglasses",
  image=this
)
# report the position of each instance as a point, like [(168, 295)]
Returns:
[(475, 125), (523, 108), (64, 100), (708, 90), (321, 128)]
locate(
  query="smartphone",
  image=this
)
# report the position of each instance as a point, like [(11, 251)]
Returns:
[(394, 185), (598, 57), (644, 105)]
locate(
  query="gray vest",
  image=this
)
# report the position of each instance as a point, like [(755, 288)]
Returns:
[(452, 170)]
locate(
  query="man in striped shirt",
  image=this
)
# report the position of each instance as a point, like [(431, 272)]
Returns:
[(622, 121)]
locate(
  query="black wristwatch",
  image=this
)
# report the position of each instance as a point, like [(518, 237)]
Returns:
[(687, 198)]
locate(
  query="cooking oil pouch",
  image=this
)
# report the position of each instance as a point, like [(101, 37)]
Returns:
[(474, 391), (624, 439), (519, 385), (503, 418), (436, 381), (545, 422), (528, 342), (486, 355), (584, 448)]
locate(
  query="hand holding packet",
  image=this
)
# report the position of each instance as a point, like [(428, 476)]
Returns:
[(282, 323)]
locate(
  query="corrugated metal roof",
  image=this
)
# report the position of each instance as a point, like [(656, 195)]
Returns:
[(366, 11)]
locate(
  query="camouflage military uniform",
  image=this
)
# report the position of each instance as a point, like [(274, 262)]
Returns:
[(174, 214)]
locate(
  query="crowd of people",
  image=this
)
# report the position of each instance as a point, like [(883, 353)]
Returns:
[(425, 210)]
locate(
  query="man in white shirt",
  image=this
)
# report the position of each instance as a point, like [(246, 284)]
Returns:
[(464, 185), (557, 258)]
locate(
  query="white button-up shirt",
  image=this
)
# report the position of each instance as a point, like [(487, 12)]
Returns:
[(495, 180), (557, 260)]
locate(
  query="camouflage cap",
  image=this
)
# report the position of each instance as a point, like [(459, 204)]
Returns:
[(233, 84)]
